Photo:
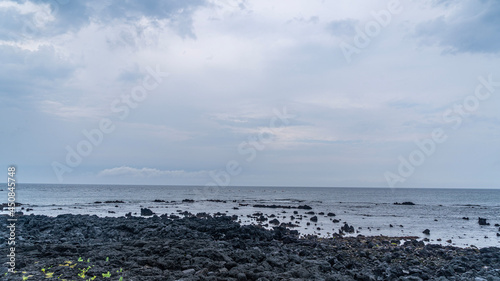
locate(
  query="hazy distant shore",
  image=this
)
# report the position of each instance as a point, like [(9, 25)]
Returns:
[(218, 248)]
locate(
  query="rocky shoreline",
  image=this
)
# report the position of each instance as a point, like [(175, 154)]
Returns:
[(205, 247)]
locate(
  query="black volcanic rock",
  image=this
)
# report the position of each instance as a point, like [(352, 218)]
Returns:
[(218, 248), (347, 228), (146, 212), (405, 203), (482, 221), (274, 221)]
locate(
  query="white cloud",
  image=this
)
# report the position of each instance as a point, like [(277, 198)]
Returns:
[(232, 62), (69, 112), (162, 132), (150, 173)]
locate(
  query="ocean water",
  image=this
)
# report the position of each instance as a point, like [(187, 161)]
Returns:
[(370, 210)]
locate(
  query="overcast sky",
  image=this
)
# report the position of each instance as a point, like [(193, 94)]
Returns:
[(232, 92)]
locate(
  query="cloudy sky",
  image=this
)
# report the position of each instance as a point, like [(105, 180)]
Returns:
[(234, 92)]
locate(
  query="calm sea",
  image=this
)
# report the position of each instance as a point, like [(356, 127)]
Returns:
[(370, 210)]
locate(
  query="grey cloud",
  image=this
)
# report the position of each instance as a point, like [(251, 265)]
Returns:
[(342, 28), (70, 16), (42, 67), (313, 20), (49, 18), (474, 27), (179, 12)]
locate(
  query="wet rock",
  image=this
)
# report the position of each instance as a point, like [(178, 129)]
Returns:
[(314, 219), (217, 248), (274, 221), (482, 221), (331, 214), (426, 232), (261, 219), (189, 271), (289, 225), (242, 276), (347, 228), (404, 203), (146, 212)]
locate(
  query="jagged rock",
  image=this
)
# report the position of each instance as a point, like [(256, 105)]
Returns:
[(274, 221), (146, 212), (347, 228), (482, 221), (404, 203)]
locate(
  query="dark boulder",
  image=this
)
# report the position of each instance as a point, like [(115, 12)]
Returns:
[(482, 221), (261, 219), (314, 219), (274, 221), (146, 212), (405, 203), (347, 228), (426, 232)]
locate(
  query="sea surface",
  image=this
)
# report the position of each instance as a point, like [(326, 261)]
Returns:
[(370, 210)]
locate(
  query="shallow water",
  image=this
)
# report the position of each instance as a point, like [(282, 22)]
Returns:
[(370, 210)]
